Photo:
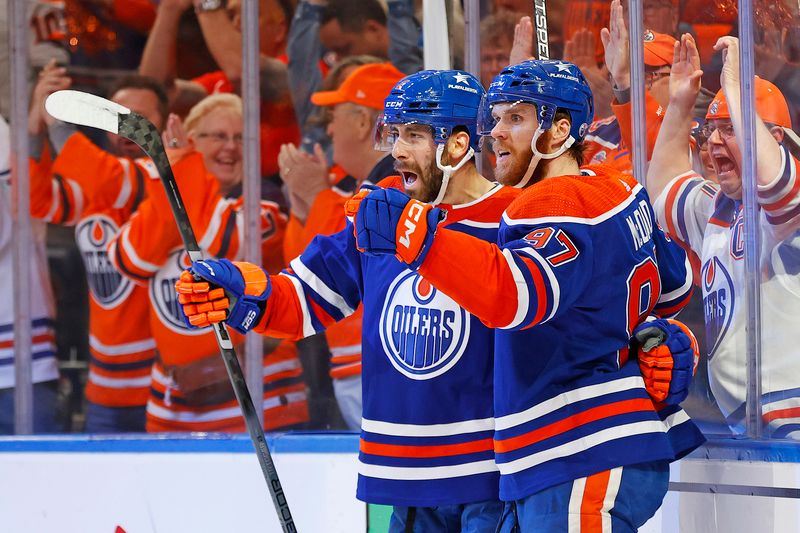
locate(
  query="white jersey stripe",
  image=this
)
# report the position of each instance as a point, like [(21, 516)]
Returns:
[(125, 190), (584, 393), (319, 286), (426, 472), (683, 289), (614, 480), (121, 349), (582, 444), (339, 351), (219, 414), (214, 224), (551, 278), (522, 290), (427, 430), (308, 328), (574, 505), (118, 383), (133, 257)]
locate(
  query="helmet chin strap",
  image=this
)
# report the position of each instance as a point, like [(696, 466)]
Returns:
[(448, 170), (537, 156)]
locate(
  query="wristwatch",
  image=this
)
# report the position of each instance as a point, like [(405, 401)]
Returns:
[(204, 6)]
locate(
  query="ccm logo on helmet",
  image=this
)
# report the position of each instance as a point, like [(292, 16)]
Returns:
[(410, 223)]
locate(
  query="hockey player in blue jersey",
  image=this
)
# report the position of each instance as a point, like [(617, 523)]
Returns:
[(578, 266), (427, 426)]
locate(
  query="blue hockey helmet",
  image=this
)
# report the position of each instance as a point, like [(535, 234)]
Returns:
[(549, 85), (442, 99)]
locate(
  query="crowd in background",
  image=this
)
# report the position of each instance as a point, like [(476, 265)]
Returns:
[(111, 350)]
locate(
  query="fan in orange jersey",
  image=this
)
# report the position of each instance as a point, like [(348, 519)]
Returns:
[(96, 191), (355, 105), (190, 388)]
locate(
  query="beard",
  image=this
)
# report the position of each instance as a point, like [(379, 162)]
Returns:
[(429, 180), (513, 171)]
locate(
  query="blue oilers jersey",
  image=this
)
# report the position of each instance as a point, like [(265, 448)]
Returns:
[(578, 264), (426, 432)]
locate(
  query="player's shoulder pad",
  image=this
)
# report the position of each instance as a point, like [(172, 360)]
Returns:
[(575, 196), (391, 182)]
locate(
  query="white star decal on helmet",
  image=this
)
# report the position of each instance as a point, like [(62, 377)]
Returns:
[(461, 78), (563, 67)]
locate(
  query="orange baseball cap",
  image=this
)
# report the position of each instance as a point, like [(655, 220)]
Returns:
[(770, 105), (658, 49), (368, 85)]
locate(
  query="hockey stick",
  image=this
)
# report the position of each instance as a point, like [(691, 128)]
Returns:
[(540, 25), (89, 110)]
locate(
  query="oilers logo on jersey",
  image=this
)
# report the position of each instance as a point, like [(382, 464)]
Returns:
[(718, 302), (164, 298), (92, 235), (423, 332)]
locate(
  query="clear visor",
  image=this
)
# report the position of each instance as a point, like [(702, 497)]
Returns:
[(487, 118), (384, 135), (387, 134)]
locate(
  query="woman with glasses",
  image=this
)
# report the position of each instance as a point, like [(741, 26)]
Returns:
[(190, 390)]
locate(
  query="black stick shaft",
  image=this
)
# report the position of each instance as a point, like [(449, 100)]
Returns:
[(540, 29), (139, 130)]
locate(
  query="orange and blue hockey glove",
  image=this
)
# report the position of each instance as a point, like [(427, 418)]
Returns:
[(668, 356), (387, 221), (213, 291)]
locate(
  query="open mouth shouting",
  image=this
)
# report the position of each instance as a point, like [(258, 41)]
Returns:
[(723, 163), (409, 178)]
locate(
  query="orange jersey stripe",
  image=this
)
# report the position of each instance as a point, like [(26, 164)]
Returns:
[(397, 450), (44, 337), (585, 417), (345, 371)]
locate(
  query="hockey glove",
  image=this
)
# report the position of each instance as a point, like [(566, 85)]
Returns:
[(207, 302), (668, 356), (387, 221)]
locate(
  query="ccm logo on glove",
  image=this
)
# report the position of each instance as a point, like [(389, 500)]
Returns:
[(413, 212)]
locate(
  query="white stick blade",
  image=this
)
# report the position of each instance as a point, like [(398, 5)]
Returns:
[(77, 107)]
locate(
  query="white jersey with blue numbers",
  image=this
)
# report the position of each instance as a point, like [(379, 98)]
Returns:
[(697, 213), (426, 432)]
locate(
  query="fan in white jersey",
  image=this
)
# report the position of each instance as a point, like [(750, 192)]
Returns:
[(708, 218)]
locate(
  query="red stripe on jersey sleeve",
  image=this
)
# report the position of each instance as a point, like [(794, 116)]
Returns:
[(541, 290)]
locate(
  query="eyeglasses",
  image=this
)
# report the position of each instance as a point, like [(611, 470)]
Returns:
[(652, 76), (221, 137), (725, 130)]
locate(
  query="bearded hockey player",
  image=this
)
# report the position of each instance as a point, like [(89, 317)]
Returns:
[(426, 431), (579, 264)]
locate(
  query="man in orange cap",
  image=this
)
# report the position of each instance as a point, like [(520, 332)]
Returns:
[(708, 217), (355, 106)]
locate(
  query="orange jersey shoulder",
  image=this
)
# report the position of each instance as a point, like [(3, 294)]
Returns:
[(582, 196), (487, 209)]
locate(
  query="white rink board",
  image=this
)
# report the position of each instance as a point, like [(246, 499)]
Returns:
[(147, 484), (174, 492)]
